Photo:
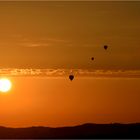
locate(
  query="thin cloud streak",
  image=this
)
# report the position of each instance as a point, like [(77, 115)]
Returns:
[(66, 72)]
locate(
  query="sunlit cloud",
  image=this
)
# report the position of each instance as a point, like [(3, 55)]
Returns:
[(19, 40), (43, 42), (76, 72), (56, 40), (34, 45)]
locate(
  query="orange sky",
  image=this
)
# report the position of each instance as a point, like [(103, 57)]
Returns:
[(60, 102), (67, 34), (64, 36)]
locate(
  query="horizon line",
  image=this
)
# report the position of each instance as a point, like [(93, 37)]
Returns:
[(65, 126)]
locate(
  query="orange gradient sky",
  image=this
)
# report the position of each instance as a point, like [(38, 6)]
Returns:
[(41, 43), (59, 102), (67, 34)]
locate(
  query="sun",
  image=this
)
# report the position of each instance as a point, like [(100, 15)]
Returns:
[(5, 85)]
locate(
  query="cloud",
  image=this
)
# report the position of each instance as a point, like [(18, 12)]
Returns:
[(42, 42), (34, 45), (56, 40), (76, 72)]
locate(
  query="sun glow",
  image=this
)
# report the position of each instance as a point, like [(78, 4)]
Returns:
[(5, 85)]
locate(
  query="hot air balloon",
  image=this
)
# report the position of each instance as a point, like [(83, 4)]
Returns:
[(92, 58), (71, 77), (105, 47)]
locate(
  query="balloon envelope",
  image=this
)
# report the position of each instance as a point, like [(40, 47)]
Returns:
[(71, 77), (105, 47)]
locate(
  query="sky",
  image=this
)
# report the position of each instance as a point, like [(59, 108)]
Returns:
[(41, 43), (55, 102), (67, 34)]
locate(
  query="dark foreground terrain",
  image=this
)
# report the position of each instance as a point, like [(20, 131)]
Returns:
[(81, 131)]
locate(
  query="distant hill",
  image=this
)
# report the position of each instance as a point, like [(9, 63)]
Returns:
[(82, 131)]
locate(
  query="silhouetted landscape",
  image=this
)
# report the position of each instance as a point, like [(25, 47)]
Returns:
[(115, 130)]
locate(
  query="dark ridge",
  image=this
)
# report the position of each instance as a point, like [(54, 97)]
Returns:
[(89, 130)]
